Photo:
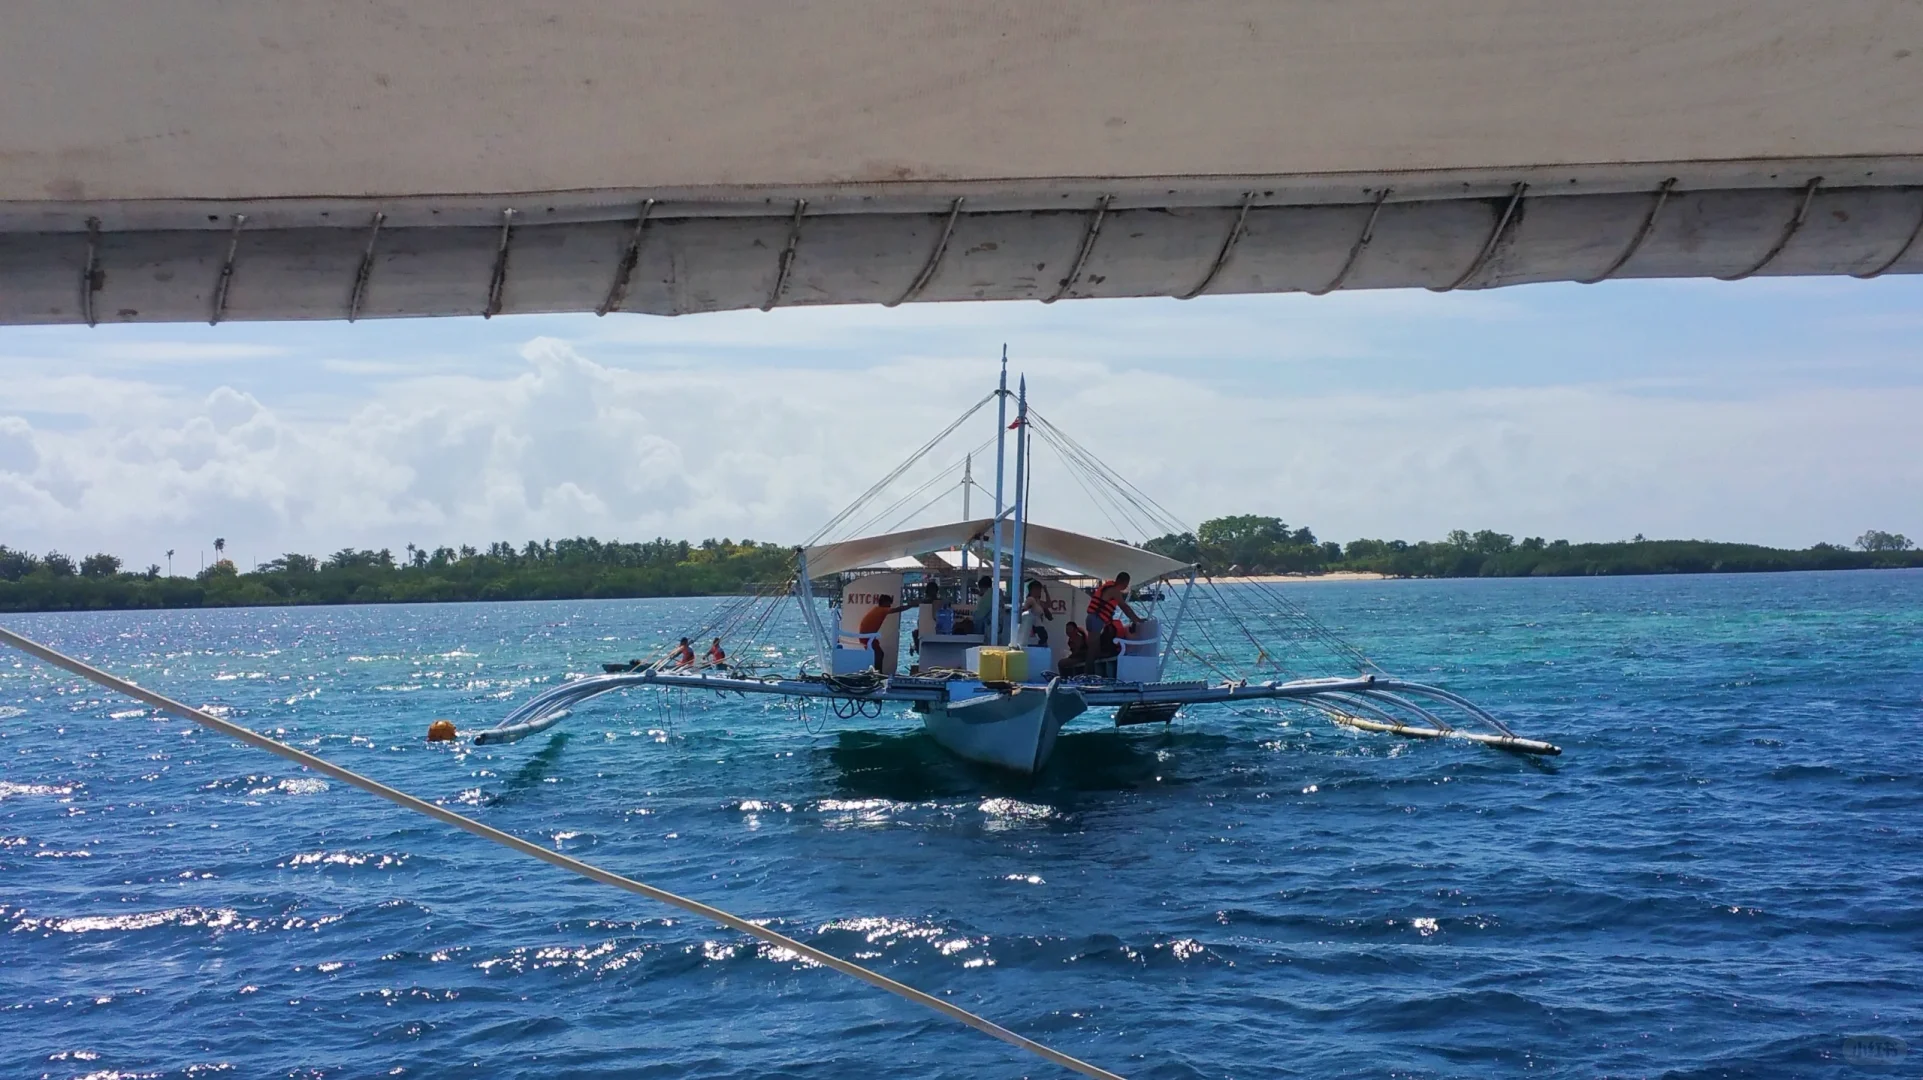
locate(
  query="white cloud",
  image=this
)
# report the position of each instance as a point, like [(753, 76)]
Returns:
[(151, 352), (593, 439), (1673, 409)]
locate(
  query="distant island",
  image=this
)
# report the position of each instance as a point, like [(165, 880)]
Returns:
[(586, 568), (1254, 544)]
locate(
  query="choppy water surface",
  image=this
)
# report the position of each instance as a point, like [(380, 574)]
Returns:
[(1719, 878)]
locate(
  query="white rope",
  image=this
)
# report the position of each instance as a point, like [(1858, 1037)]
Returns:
[(1142, 501), (884, 513), (895, 474), (1097, 496), (537, 851), (1147, 507)]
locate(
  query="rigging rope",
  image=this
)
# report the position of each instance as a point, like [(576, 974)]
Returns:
[(919, 510), (1100, 498), (1083, 469), (896, 472), (1260, 653), (751, 637), (726, 619), (920, 488), (1329, 638), (1155, 513), (1149, 508), (536, 851)]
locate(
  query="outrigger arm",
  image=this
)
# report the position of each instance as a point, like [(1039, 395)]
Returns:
[(1340, 698)]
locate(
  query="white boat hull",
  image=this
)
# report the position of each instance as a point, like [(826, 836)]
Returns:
[(1014, 731)]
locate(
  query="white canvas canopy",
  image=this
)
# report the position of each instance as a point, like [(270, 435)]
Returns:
[(1069, 551)]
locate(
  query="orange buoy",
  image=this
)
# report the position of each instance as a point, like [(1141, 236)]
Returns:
[(440, 731)]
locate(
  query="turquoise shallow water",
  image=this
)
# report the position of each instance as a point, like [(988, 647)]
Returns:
[(1720, 878)]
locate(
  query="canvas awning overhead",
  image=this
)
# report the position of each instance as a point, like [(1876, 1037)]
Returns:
[(1073, 552), (211, 160)]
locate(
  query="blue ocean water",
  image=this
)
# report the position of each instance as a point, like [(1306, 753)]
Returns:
[(1719, 878)]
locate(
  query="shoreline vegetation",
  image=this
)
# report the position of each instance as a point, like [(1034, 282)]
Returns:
[(1244, 546)]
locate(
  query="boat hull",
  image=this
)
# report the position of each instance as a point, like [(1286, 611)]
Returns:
[(1014, 731)]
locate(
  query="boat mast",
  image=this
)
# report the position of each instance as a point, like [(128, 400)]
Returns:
[(1021, 508), (968, 481), (995, 573)]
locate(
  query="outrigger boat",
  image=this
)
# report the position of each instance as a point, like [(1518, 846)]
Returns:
[(999, 692)]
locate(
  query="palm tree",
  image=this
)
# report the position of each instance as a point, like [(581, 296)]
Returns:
[(170, 562), (220, 546)]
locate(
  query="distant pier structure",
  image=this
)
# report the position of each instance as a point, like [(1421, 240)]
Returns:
[(279, 159)]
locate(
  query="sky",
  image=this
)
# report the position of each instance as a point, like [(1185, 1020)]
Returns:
[(1778, 411)]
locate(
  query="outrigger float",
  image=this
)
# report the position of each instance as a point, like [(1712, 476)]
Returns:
[(997, 689)]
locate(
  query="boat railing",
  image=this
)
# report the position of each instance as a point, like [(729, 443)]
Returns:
[(1139, 659)]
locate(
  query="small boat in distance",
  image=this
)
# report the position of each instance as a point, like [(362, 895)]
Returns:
[(1004, 659)]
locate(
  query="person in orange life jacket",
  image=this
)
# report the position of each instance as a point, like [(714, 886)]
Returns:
[(1107, 598), (871, 623), (716, 657), (683, 654)]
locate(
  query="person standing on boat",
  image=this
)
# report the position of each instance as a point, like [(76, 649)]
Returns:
[(872, 622), (1107, 598), (716, 657), (985, 613), (683, 655), (1034, 606)]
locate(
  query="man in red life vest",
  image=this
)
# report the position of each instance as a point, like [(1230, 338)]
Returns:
[(683, 655), (871, 623), (1107, 598), (716, 658)]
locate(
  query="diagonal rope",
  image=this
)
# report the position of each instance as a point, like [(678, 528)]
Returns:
[(925, 485), (919, 510), (1098, 496), (1094, 499), (727, 618), (1156, 513), (895, 473), (532, 850), (1145, 503), (1335, 643), (1083, 465)]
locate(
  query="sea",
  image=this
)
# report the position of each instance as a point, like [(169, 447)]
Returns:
[(1721, 876)]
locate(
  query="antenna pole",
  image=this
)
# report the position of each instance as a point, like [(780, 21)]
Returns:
[(989, 636), (1021, 509)]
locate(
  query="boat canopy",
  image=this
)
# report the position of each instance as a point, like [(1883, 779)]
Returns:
[(1073, 552)]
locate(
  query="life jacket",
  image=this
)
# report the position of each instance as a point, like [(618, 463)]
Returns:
[(715, 654), (1100, 604), (683, 656)]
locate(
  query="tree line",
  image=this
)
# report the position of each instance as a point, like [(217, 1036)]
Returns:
[(586, 568), (1254, 544), (580, 568)]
